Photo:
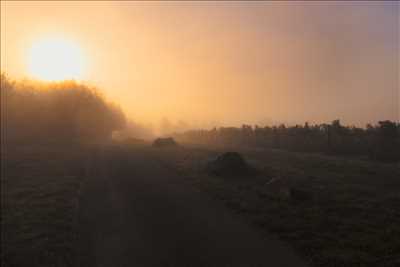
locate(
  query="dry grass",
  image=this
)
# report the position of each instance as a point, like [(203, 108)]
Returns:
[(353, 218), (40, 186)]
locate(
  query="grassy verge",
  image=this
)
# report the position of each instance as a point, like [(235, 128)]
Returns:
[(39, 201), (353, 218)]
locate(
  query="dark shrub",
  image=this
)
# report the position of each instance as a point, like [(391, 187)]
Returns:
[(56, 112), (229, 163), (164, 142)]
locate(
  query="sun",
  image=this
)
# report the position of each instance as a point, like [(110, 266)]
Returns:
[(55, 59)]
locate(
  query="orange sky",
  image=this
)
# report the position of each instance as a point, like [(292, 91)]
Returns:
[(224, 63)]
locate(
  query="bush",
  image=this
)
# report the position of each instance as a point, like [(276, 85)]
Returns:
[(164, 142), (229, 163), (34, 112)]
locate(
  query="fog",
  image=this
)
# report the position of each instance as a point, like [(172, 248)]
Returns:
[(187, 65), (65, 112)]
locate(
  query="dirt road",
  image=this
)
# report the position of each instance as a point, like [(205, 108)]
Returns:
[(135, 212)]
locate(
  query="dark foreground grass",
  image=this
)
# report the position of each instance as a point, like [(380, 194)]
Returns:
[(352, 219), (39, 202)]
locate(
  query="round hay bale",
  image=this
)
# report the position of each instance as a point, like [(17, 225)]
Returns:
[(165, 142), (229, 163)]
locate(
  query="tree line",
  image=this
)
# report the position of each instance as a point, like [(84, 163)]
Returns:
[(56, 112), (378, 142)]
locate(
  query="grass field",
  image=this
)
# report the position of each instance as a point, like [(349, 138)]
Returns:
[(39, 202), (351, 219)]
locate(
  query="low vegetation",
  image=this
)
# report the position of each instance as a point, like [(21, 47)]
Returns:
[(333, 211), (40, 190)]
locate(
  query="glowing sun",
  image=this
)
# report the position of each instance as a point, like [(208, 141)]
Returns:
[(55, 59)]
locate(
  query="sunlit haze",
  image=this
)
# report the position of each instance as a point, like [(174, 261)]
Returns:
[(55, 59), (200, 133), (209, 64)]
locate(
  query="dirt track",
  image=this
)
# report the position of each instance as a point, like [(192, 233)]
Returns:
[(135, 212)]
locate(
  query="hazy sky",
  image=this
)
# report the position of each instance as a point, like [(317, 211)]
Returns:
[(225, 63)]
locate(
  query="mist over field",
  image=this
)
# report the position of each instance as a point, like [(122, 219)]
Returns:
[(204, 65), (193, 134), (70, 112), (57, 112)]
